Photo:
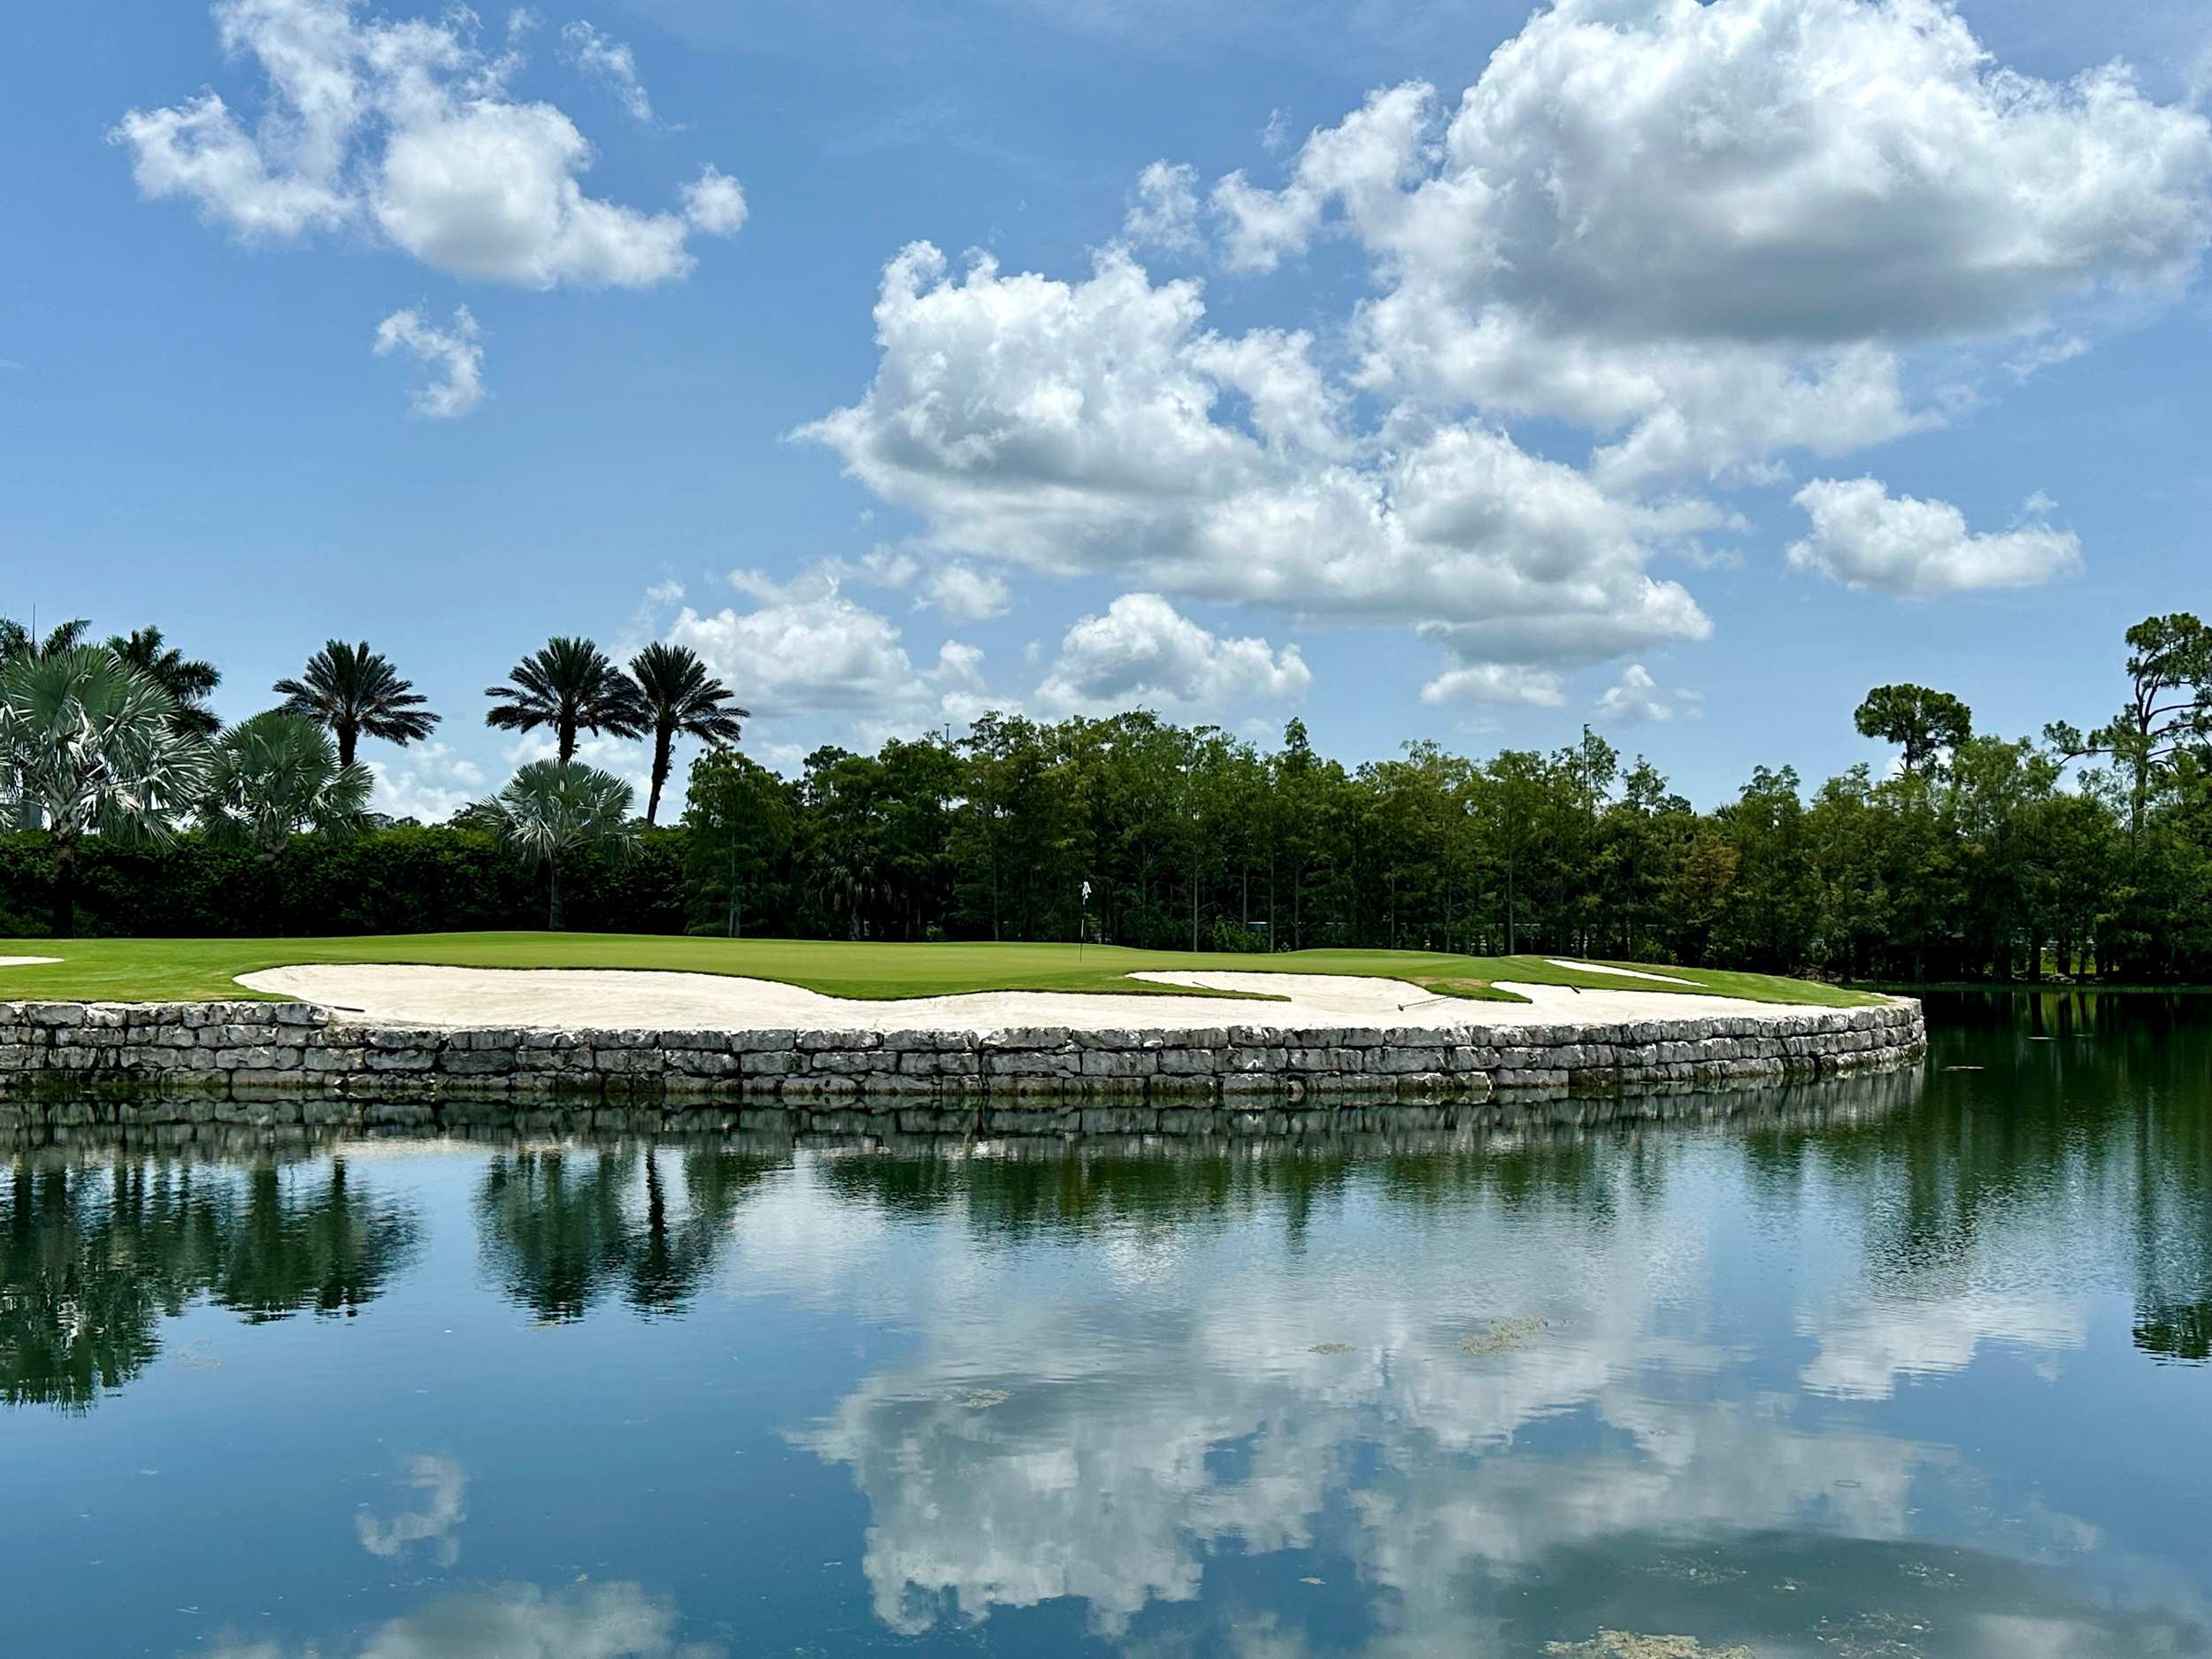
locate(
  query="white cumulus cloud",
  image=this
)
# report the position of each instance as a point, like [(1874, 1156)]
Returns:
[(1098, 426), (1497, 683), (964, 593), (1712, 231), (409, 130), (1163, 211), (453, 354), (714, 203), (427, 782), (1636, 698), (1864, 537), (1142, 652), (804, 650)]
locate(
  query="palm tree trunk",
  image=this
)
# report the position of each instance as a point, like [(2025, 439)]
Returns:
[(663, 741), (348, 736), (553, 893), (566, 730)]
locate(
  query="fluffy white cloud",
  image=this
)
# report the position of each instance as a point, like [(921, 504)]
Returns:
[(806, 648), (1366, 162), (802, 649), (1497, 683), (1164, 211), (1701, 237), (1097, 426), (1144, 652), (1864, 537), (714, 203), (454, 354), (409, 129), (428, 782), (963, 694), (1713, 228), (610, 61), (1636, 698), (965, 594)]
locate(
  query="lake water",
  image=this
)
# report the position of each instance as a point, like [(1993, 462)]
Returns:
[(1917, 1371)]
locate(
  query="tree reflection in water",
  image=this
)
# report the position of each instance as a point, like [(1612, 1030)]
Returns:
[(94, 1255), (562, 1228)]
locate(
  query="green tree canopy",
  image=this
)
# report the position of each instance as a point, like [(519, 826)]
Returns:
[(353, 692), (678, 697), (1923, 723), (91, 746), (189, 680), (570, 686), (552, 811)]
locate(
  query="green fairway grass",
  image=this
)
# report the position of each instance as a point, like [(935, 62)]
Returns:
[(206, 969)]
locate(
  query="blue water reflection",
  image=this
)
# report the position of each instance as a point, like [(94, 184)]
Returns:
[(1905, 1370)]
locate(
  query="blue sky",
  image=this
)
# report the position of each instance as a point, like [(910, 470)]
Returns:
[(1682, 369)]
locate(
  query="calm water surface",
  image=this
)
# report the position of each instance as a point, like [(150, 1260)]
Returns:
[(1923, 1376)]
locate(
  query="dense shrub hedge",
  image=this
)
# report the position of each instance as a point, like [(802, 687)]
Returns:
[(411, 878)]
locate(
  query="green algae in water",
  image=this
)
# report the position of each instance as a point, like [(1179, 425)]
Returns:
[(1620, 1644), (1505, 1335)]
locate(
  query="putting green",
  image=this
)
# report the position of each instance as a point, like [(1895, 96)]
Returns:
[(206, 969)]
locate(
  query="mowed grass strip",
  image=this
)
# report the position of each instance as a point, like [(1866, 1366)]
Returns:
[(206, 969)]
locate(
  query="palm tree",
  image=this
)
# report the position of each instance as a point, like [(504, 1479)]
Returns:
[(356, 693), (552, 809), (18, 643), (678, 697), (187, 679), (92, 747), (570, 685), (274, 775)]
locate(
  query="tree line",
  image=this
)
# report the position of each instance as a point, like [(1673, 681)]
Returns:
[(113, 744), (1972, 857), (2084, 852)]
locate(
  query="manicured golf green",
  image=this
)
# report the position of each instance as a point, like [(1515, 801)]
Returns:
[(202, 970)]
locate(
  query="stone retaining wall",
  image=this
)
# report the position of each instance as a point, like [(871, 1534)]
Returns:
[(59, 1059)]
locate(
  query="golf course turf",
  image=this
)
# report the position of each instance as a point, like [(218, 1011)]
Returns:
[(206, 969)]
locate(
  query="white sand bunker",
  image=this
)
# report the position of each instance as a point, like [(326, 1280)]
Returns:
[(579, 999), (1570, 963), (26, 961)]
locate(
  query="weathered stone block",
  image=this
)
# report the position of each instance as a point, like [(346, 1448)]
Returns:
[(477, 1062), (849, 1062), (919, 1064), (378, 1058), (1030, 1063), (772, 1063), (1029, 1038), (1119, 1063)]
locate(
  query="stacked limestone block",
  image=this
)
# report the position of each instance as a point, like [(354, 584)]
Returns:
[(61, 1060)]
